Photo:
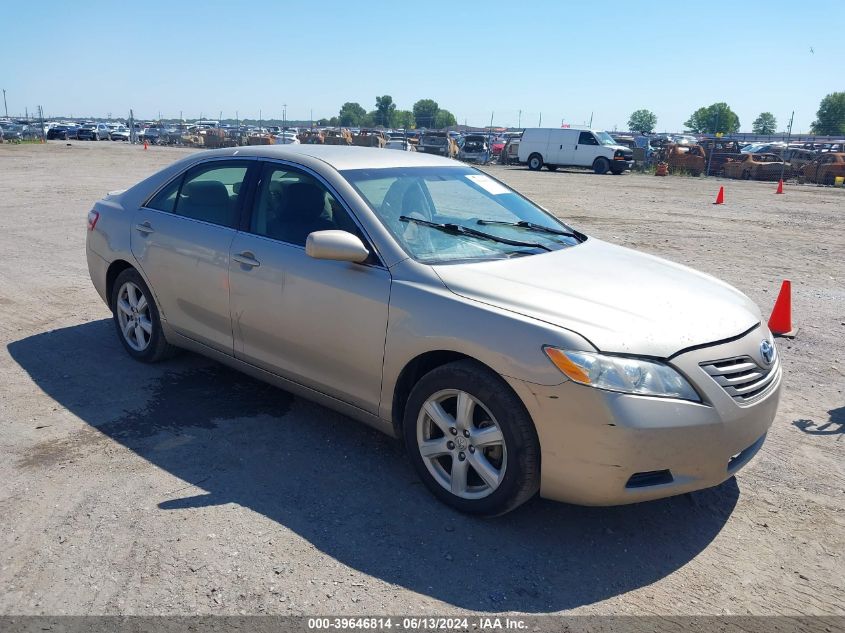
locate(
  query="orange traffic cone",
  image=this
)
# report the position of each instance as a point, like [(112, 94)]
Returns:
[(145, 145), (780, 323), (780, 186), (720, 197)]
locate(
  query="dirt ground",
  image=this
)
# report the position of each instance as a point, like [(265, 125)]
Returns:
[(186, 488)]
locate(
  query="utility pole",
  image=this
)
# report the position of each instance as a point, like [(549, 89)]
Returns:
[(284, 115), (788, 134), (591, 121), (540, 124), (519, 120), (4, 103)]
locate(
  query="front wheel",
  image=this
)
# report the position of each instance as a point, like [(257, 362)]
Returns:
[(137, 320), (471, 440), (535, 162), (601, 166)]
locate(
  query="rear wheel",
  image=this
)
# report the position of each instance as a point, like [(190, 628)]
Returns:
[(471, 440), (535, 162), (137, 320), (601, 165)]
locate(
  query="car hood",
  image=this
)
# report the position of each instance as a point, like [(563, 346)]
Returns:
[(619, 299)]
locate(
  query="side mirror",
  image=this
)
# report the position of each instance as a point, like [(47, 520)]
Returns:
[(340, 246)]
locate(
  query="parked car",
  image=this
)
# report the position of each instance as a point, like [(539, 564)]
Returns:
[(12, 132), (120, 133), (685, 158), (513, 353), (62, 132), (496, 146), (93, 132), (510, 153), (401, 144), (150, 135), (797, 158), (474, 149), (756, 167), (825, 169), (438, 143), (556, 147)]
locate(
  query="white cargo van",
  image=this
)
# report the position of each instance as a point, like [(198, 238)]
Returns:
[(559, 147)]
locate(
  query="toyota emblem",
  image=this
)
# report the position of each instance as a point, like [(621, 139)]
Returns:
[(767, 351)]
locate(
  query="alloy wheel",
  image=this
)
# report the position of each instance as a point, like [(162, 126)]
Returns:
[(134, 316), (461, 444)]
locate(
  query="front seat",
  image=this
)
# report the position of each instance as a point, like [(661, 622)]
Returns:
[(304, 212)]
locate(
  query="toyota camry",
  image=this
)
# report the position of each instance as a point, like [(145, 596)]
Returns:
[(512, 353)]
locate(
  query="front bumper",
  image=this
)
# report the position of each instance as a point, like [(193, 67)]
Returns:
[(605, 448)]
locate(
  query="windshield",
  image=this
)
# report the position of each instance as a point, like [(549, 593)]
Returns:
[(457, 196), (605, 138)]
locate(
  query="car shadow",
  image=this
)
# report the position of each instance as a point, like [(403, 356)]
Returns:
[(349, 490)]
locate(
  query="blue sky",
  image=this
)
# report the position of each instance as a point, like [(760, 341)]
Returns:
[(565, 60)]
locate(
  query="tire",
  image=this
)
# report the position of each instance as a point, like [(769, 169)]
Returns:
[(511, 459), (535, 162), (151, 347), (601, 165), (551, 167), (828, 180)]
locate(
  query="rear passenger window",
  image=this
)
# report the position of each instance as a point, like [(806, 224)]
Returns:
[(210, 193), (165, 200)]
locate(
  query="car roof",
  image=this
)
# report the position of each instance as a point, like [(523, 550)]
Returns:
[(338, 156)]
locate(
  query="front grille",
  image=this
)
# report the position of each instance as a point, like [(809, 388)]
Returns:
[(742, 378)]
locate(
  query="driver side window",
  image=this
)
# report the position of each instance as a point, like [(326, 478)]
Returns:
[(291, 204), (587, 138)]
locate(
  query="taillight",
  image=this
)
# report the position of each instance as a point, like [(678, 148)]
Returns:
[(93, 216)]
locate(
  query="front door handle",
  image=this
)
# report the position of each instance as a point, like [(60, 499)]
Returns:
[(247, 259), (145, 228)]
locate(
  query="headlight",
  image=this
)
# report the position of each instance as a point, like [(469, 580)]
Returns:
[(623, 374)]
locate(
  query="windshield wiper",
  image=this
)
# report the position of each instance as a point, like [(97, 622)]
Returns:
[(524, 224), (459, 229)]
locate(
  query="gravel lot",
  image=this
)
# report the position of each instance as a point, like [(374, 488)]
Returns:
[(186, 488)]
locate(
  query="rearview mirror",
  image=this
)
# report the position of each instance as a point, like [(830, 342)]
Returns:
[(340, 246)]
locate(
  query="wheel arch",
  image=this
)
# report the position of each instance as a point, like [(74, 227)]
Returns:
[(114, 269), (415, 369)]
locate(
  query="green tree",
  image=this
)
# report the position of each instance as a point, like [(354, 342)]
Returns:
[(323, 122), (370, 119), (766, 123), (403, 119), (643, 121), (830, 119), (334, 121), (385, 109), (713, 119), (351, 114), (444, 118), (424, 112)]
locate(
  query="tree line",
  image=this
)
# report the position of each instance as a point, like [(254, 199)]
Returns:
[(424, 113), (718, 118)]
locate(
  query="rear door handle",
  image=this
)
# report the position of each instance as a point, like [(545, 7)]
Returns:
[(247, 259), (145, 228)]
